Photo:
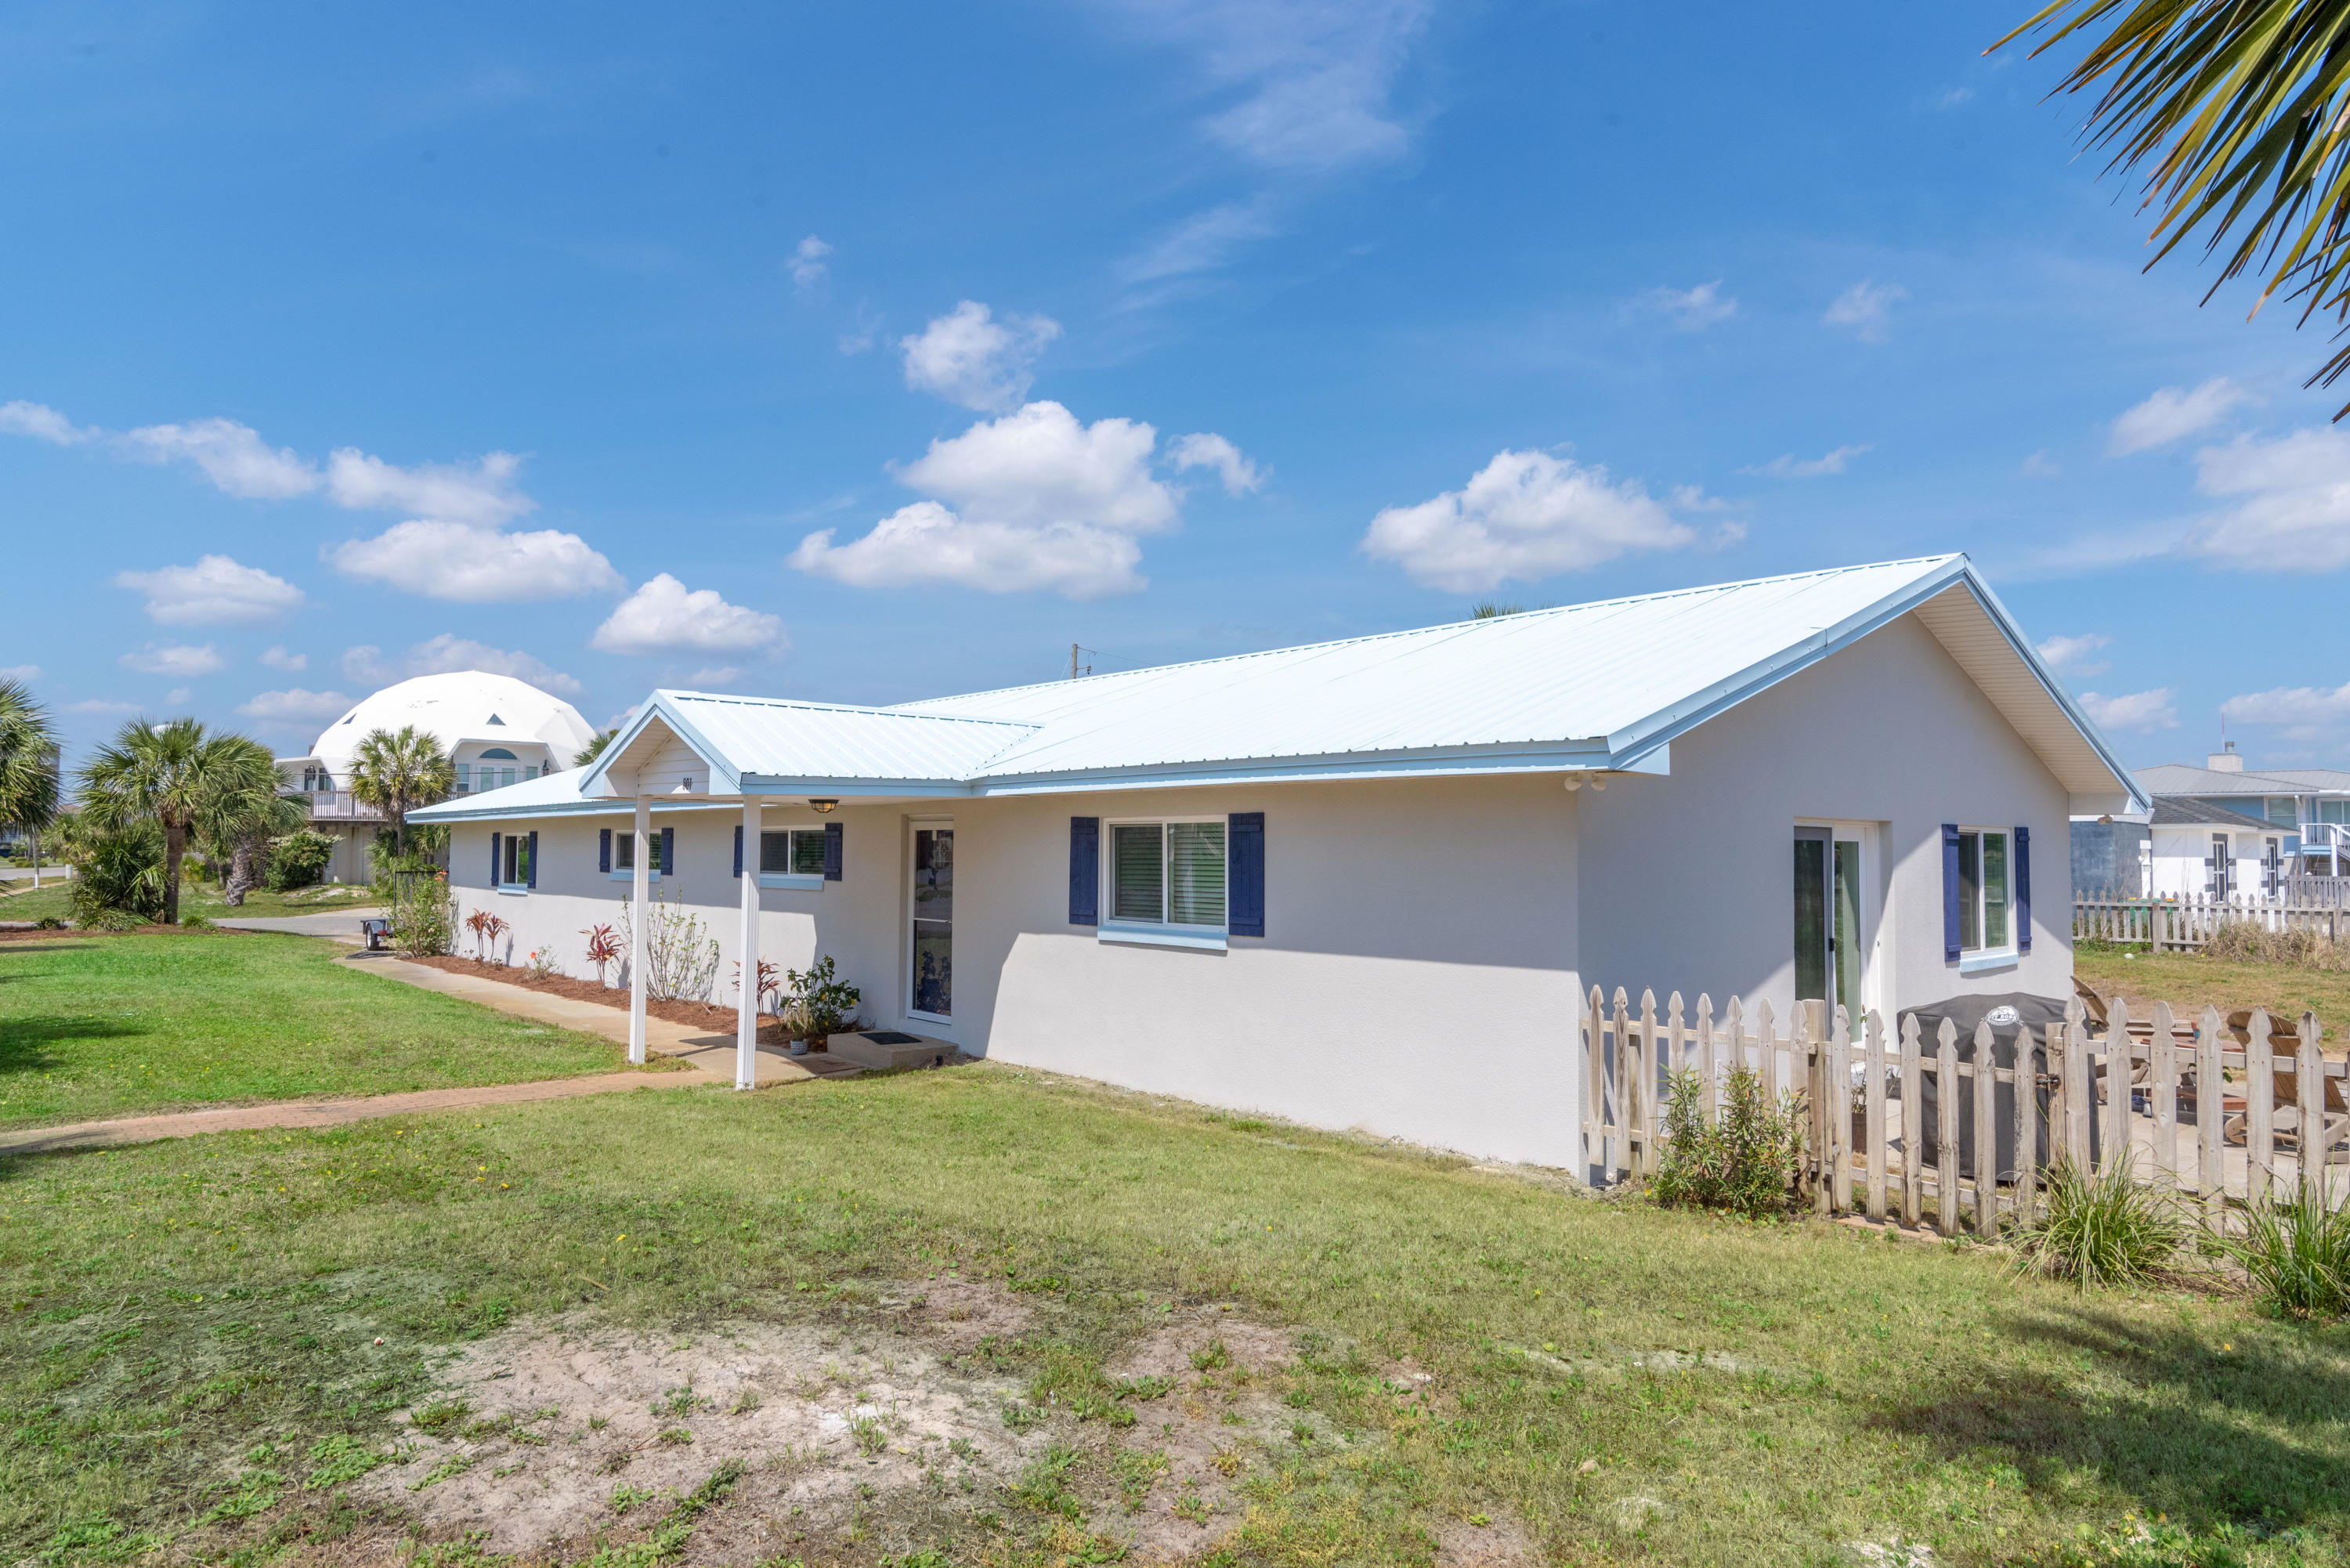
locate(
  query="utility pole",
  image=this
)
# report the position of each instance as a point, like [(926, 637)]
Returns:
[(1075, 669)]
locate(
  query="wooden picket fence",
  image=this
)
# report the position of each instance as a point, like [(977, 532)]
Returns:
[(2184, 922), (1863, 1104)]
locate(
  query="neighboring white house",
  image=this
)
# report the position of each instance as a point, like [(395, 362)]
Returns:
[(498, 731), (2220, 830), (1367, 883)]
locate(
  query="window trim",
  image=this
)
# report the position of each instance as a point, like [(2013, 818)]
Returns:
[(792, 881), (1983, 956), (619, 872), (1162, 933), (506, 867)]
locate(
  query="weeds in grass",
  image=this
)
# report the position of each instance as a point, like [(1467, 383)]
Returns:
[(676, 1436), (1745, 1159), (256, 1491), (1045, 1485), (870, 1433), (1137, 1472), (1210, 1357), (2106, 1228), (454, 1465), (339, 1460), (681, 1402), (2249, 941), (626, 1496), (2296, 1250)]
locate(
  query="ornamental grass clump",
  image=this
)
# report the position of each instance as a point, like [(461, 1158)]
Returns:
[(1746, 1160), (2295, 1252), (2103, 1229)]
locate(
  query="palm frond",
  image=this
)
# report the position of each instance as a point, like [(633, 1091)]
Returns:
[(2238, 113)]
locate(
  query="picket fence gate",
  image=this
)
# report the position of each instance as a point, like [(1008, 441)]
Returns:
[(2185, 922), (1864, 1103)]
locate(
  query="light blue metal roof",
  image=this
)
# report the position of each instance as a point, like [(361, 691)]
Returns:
[(1603, 685)]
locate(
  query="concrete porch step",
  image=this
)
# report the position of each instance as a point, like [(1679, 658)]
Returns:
[(902, 1051)]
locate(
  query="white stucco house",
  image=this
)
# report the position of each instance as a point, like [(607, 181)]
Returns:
[(1367, 883), (499, 732)]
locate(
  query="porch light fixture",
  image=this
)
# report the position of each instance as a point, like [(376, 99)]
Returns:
[(1576, 781), (823, 807)]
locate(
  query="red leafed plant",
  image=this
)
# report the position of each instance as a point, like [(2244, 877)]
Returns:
[(486, 928), (770, 980), (603, 949)]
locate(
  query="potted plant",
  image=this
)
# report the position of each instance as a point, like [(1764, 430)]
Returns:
[(829, 1003), (794, 1016)]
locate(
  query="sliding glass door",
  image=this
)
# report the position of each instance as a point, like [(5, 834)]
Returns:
[(1830, 894)]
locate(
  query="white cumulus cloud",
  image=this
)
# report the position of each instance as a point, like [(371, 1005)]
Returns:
[(478, 565), (1033, 500), (1789, 466), (278, 658), (232, 455), (41, 422), (480, 494), (295, 706), (2292, 502), (215, 591), (2139, 711), (1527, 515), (806, 262), (2173, 412), (439, 656), (1208, 450), (172, 658), (969, 357), (26, 673), (2077, 655), (1867, 308), (662, 617), (1692, 309)]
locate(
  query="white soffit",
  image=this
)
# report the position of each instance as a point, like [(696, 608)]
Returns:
[(1979, 645)]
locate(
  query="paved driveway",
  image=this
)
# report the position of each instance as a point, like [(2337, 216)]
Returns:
[(342, 925)]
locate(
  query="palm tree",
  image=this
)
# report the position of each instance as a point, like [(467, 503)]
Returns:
[(397, 772), (595, 748), (241, 817), (2243, 107), (176, 775), (28, 764)]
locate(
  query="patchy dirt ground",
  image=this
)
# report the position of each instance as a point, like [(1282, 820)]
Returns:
[(942, 1416)]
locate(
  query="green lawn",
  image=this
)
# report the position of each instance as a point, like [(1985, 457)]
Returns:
[(55, 899), (174, 1305), (99, 1026), (2191, 981)]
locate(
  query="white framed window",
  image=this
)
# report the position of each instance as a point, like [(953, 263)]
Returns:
[(624, 857), (1164, 882), (513, 863), (792, 858), (1986, 894)]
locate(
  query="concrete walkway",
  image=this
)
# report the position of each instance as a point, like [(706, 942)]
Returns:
[(708, 1061)]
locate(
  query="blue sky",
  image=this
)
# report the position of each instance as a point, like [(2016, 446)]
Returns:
[(871, 353)]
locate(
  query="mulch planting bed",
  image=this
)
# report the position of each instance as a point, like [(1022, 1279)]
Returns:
[(692, 1015), (13, 932)]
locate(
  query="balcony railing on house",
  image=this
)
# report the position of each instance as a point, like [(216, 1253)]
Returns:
[(339, 806)]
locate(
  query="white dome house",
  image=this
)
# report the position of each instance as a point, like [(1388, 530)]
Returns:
[(497, 729)]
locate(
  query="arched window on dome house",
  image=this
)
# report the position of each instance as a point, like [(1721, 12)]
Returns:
[(493, 769)]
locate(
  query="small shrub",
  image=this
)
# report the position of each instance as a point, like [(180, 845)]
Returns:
[(2107, 1228), (1746, 1160), (118, 874), (298, 859), (2296, 1252)]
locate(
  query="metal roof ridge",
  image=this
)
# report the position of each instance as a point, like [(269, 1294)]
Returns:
[(890, 713), (1518, 617)]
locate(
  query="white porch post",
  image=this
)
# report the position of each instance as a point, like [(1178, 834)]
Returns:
[(746, 1010), (640, 913)]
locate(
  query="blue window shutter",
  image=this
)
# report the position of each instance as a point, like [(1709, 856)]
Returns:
[(832, 836), (1950, 892), (532, 880), (495, 866), (738, 850), (604, 849), (2023, 889), (1244, 874), (1085, 870), (669, 851)]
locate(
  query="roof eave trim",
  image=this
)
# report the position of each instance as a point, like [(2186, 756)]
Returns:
[(1558, 756), (658, 706), (597, 805)]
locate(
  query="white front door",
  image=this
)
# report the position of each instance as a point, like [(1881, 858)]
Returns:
[(1832, 899)]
